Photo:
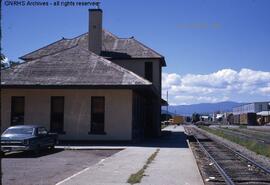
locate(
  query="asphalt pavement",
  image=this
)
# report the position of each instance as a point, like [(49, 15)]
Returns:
[(48, 167)]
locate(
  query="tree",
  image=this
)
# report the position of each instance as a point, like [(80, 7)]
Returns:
[(195, 117), (7, 63), (188, 119), (4, 61), (2, 57), (165, 117)]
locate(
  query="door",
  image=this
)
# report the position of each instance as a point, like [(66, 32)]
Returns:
[(17, 110), (57, 114), (97, 115)]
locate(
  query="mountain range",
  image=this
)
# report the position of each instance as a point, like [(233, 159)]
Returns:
[(202, 108)]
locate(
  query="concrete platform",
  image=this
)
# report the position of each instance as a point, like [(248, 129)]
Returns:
[(174, 164), (114, 170), (91, 147)]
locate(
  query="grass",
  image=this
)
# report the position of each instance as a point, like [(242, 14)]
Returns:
[(243, 126), (255, 133), (137, 177), (262, 149)]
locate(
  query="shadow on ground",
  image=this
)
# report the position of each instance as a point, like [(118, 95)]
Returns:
[(31, 154), (167, 139)]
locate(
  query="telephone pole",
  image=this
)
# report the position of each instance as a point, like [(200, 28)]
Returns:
[(167, 114)]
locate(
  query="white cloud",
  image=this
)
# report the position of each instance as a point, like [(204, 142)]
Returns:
[(170, 79), (215, 87), (265, 90)]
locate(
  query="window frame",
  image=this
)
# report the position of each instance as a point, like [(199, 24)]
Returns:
[(51, 116), (92, 130), (12, 112), (148, 67)]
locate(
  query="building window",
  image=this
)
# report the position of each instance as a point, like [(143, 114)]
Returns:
[(148, 71), (57, 114), (17, 110), (97, 115), (260, 107)]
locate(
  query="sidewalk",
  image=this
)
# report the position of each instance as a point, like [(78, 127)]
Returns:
[(174, 164), (114, 170)]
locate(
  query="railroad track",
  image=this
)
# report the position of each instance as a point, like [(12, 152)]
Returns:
[(235, 168), (245, 135)]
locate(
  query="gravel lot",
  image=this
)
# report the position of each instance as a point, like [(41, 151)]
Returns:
[(48, 168)]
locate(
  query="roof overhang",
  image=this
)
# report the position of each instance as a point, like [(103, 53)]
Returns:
[(148, 90), (5, 86), (162, 59), (163, 62), (164, 102)]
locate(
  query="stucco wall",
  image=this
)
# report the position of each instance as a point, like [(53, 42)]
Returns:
[(137, 66), (118, 111)]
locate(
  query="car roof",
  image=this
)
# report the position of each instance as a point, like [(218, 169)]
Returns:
[(26, 126)]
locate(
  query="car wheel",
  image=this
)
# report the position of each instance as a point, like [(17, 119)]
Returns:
[(37, 150), (2, 154), (56, 141), (52, 147)]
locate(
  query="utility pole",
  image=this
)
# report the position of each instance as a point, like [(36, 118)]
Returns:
[(268, 110), (167, 105)]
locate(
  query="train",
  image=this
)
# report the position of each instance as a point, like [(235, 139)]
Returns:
[(177, 120)]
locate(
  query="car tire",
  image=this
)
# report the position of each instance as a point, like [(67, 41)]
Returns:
[(52, 147), (2, 154), (37, 150), (56, 141)]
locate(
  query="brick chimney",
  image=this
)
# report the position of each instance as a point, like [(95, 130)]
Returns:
[(95, 31)]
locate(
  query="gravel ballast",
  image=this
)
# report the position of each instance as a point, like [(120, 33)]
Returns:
[(262, 160)]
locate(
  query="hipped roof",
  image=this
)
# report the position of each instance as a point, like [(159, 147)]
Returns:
[(113, 47), (73, 65)]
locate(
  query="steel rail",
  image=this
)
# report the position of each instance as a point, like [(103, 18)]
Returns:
[(227, 179), (248, 159), (266, 170)]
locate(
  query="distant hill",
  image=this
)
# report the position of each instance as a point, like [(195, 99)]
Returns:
[(202, 108), (164, 111)]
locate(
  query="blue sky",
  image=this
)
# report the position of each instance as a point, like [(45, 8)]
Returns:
[(197, 37)]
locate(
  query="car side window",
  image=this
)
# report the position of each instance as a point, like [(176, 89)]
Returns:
[(42, 131)]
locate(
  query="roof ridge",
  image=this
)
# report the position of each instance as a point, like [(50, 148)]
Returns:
[(76, 36), (115, 36), (42, 47), (39, 58), (146, 47), (57, 52), (126, 38), (63, 38), (88, 33)]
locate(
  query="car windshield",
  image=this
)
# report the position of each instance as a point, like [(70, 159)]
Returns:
[(23, 131)]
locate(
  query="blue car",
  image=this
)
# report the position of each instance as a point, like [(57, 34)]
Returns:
[(27, 138)]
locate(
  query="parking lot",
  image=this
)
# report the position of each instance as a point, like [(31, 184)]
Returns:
[(48, 167)]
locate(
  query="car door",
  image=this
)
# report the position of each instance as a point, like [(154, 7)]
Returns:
[(44, 137)]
